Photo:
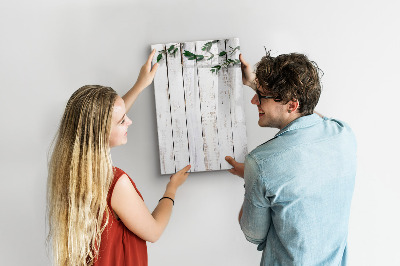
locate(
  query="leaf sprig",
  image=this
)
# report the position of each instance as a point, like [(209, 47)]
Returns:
[(206, 48), (192, 56), (226, 64), (234, 49), (171, 51)]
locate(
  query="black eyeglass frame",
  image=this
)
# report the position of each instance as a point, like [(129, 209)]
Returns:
[(276, 99)]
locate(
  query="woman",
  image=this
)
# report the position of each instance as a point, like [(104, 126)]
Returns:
[(96, 214)]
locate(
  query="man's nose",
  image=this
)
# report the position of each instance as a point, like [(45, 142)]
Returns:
[(129, 121), (254, 100)]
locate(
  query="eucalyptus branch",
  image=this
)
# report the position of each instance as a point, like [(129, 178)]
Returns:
[(234, 49), (171, 51), (206, 48)]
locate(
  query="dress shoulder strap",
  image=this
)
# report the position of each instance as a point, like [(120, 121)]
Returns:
[(117, 174)]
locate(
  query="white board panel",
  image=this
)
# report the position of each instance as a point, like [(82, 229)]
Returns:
[(208, 86), (177, 102), (193, 114), (224, 109), (237, 110), (164, 126), (199, 102)]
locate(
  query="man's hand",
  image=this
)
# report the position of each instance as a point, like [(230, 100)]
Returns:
[(248, 75), (238, 168)]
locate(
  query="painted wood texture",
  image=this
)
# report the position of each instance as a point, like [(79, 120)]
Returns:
[(200, 115), (193, 115)]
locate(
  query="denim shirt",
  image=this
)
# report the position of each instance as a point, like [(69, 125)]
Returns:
[(298, 191)]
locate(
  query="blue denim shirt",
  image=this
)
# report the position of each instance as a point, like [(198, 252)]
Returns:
[(298, 190)]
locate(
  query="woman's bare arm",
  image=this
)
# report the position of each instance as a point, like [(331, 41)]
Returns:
[(135, 215)]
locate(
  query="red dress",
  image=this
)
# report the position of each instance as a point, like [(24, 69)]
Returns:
[(119, 246)]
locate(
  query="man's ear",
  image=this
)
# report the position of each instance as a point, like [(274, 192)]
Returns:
[(293, 105)]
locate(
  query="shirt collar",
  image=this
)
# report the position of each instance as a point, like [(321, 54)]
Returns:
[(301, 122)]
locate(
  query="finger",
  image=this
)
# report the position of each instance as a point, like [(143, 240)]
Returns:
[(154, 69), (244, 63), (230, 160), (186, 168), (151, 56)]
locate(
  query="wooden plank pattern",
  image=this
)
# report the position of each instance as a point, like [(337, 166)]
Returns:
[(178, 112), (164, 126), (208, 86), (237, 110), (193, 114), (200, 114), (224, 110)]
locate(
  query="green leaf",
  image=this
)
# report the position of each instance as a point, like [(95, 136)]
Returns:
[(189, 55), (207, 46), (222, 53), (215, 69), (199, 57), (174, 51), (171, 48), (211, 57), (234, 49), (159, 57)]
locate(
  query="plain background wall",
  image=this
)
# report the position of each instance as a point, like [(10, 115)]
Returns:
[(48, 49)]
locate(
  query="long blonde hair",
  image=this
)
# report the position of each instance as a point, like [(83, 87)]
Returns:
[(80, 174)]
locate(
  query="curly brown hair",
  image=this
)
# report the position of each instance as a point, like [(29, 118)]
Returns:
[(290, 77)]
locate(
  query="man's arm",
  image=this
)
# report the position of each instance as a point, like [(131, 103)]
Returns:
[(238, 169), (248, 75), (254, 216)]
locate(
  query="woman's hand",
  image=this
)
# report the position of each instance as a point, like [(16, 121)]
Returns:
[(238, 168), (176, 180), (147, 73), (248, 76), (146, 76)]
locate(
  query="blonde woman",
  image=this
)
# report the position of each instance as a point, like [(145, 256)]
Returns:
[(96, 214)]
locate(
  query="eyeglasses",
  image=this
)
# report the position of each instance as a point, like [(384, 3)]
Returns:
[(276, 99)]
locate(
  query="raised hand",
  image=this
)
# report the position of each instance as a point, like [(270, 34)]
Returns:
[(147, 73), (238, 168), (248, 75), (179, 177)]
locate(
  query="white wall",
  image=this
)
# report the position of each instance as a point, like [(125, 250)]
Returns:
[(48, 49)]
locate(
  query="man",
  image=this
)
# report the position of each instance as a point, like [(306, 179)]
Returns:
[(299, 184)]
